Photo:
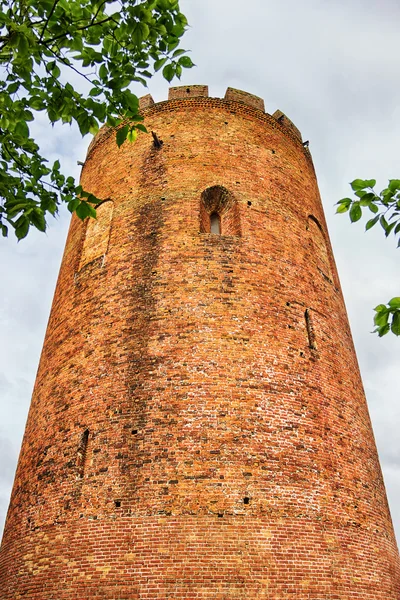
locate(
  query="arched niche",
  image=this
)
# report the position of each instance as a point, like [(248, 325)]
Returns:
[(218, 203), (97, 234), (319, 247)]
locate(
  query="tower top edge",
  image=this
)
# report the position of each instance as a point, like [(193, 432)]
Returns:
[(187, 92), (198, 92)]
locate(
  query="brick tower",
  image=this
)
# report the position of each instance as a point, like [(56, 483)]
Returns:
[(198, 428)]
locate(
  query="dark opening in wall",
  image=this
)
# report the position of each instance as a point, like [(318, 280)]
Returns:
[(215, 223), (319, 247), (246, 500), (219, 212), (117, 503), (81, 453), (310, 329)]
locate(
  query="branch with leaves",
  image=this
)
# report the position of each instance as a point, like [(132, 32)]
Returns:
[(386, 210), (106, 44)]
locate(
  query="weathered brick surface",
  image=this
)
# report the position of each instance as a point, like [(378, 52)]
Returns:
[(286, 123), (198, 428), (241, 96), (146, 101), (187, 91)]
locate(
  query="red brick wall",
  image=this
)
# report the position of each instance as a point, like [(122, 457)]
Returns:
[(223, 456)]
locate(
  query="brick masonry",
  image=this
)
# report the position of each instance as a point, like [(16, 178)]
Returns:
[(198, 427)]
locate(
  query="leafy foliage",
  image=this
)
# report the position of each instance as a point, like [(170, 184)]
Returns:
[(387, 318), (108, 45), (386, 210)]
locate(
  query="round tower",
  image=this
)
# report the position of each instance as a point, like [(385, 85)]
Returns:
[(198, 428)]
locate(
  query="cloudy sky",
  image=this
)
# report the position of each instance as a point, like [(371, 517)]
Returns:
[(333, 67)]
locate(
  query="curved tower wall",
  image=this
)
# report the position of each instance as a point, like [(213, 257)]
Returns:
[(198, 427)]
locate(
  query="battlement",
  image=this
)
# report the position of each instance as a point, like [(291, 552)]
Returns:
[(245, 97), (188, 92), (192, 93)]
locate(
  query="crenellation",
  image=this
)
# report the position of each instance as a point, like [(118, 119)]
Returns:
[(188, 91), (245, 97), (146, 101), (287, 123)]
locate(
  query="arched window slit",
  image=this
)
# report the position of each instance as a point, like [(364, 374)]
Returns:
[(219, 212)]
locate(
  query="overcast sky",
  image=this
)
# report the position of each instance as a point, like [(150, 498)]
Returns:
[(333, 67)]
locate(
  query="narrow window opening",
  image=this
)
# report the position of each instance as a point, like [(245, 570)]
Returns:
[(310, 330), (219, 213), (246, 500), (81, 453), (117, 503), (215, 223)]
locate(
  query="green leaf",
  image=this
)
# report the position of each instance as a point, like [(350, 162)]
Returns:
[(380, 308), (103, 73), (355, 212), (359, 184), (23, 46), (141, 127), (370, 183), (169, 72), (382, 317), (73, 204), (394, 185), (132, 135), (371, 223), (373, 208), (122, 134), (22, 230), (95, 91), (13, 87), (394, 302), (178, 52), (395, 326), (389, 228), (384, 223), (37, 103), (186, 61), (344, 205), (22, 129), (383, 330), (85, 210), (159, 63), (38, 220)]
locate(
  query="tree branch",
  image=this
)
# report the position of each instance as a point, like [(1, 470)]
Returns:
[(58, 37), (47, 20)]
